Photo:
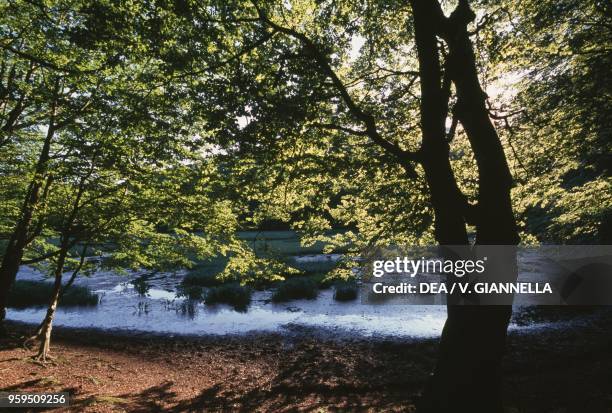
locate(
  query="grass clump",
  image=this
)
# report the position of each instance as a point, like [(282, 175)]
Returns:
[(193, 292), (295, 289), (234, 294), (26, 293), (345, 291)]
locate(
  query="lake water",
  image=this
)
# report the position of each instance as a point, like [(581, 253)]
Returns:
[(121, 307)]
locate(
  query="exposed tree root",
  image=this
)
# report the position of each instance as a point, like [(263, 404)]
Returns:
[(29, 342), (43, 337)]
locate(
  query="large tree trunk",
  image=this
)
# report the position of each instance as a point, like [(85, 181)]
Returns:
[(468, 371), (450, 225), (446, 198), (22, 236), (496, 224)]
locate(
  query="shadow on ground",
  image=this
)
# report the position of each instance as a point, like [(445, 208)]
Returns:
[(309, 378)]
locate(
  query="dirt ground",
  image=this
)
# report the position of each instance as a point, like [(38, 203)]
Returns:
[(560, 371)]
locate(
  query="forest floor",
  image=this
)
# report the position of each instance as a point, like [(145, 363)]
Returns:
[(551, 370)]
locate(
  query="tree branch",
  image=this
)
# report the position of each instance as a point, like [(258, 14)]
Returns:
[(76, 270), (47, 255), (340, 128), (403, 157)]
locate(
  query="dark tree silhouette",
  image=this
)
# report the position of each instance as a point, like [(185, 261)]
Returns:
[(468, 373)]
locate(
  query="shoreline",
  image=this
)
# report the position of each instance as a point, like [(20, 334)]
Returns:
[(527, 320)]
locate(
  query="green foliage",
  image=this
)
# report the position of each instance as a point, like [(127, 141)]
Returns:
[(94, 120), (38, 294), (556, 58), (314, 267), (203, 276), (323, 280), (284, 242), (156, 131)]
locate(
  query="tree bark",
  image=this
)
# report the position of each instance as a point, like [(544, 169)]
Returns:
[(21, 235), (468, 372), (446, 198), (496, 224), (45, 329)]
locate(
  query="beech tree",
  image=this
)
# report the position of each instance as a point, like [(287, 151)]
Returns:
[(321, 126), (379, 117), (558, 119), (100, 148), (48, 84), (96, 207)]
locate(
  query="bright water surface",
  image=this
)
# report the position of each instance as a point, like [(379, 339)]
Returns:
[(162, 311)]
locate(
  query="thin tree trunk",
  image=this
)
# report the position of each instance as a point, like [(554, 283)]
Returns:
[(21, 235), (44, 332), (47, 324), (63, 290)]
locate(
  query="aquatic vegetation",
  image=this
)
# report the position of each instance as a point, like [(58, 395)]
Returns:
[(25, 293), (346, 291), (295, 289), (234, 294)]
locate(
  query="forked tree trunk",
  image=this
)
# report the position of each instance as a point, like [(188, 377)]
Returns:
[(496, 224)]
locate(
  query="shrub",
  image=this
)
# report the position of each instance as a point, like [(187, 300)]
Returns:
[(233, 294), (25, 293), (296, 288), (323, 282), (345, 291)]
